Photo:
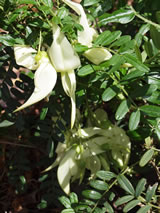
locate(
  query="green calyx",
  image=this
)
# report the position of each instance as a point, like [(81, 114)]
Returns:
[(40, 56)]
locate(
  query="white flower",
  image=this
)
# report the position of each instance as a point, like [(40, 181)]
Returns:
[(85, 37), (61, 52), (62, 58), (65, 60), (45, 76), (25, 56)]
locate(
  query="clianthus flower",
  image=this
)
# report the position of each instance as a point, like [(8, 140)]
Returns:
[(91, 154), (45, 76), (85, 37), (88, 148), (62, 58), (65, 60)]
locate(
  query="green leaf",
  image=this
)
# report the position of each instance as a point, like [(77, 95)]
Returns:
[(124, 199), (85, 70), (144, 209), (7, 40), (136, 63), (122, 40), (140, 187), (105, 175), (82, 207), (151, 192), (148, 48), (130, 205), (91, 194), (125, 184), (6, 123), (122, 109), (110, 93), (146, 157), (90, 2), (27, 2), (102, 37), (48, 3), (68, 211), (122, 16), (80, 48), (65, 201), (155, 34), (138, 52), (134, 120), (112, 37), (42, 204), (73, 197), (108, 207), (43, 113), (2, 3), (142, 31), (98, 184), (116, 61), (133, 75), (151, 110)]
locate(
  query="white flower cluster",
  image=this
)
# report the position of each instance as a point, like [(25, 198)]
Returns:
[(88, 148), (60, 57)]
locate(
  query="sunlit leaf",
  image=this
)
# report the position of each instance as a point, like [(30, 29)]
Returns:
[(124, 199), (146, 157), (134, 120), (130, 205), (125, 184), (122, 16), (140, 187)]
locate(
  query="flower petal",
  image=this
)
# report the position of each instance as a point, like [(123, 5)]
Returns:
[(61, 52), (25, 56), (67, 168), (85, 37), (44, 80), (69, 86), (97, 55)]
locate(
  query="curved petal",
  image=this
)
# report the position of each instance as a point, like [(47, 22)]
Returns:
[(25, 56), (61, 52), (44, 80), (85, 37), (67, 168), (69, 86), (97, 55)]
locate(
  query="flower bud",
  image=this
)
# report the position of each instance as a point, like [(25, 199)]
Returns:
[(97, 55)]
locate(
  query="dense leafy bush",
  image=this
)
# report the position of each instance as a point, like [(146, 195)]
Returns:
[(101, 58)]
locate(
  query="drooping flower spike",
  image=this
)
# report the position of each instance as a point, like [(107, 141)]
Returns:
[(85, 37), (45, 76)]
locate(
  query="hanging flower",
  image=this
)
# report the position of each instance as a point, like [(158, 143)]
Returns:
[(65, 60), (88, 148), (62, 58), (45, 76), (85, 37)]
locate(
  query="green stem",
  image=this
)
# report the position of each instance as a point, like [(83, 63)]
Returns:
[(158, 150), (156, 207), (40, 42), (144, 19), (112, 184), (123, 90)]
